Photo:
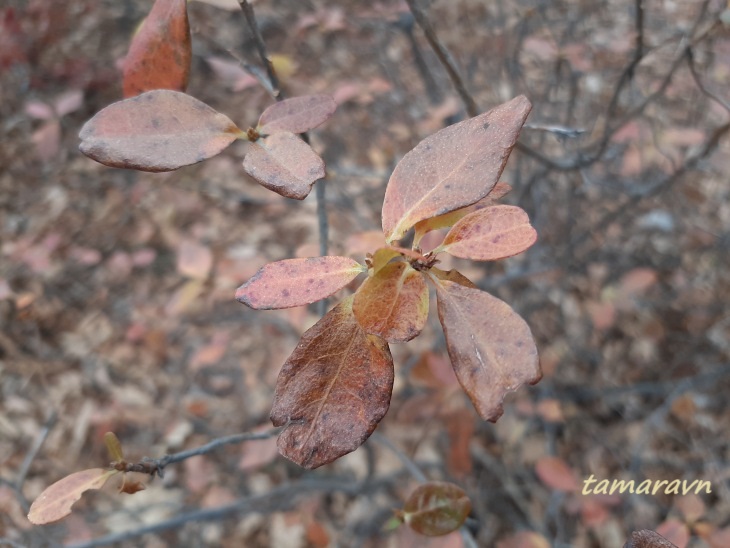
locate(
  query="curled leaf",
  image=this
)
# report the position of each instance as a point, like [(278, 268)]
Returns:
[(382, 257), (393, 303), (56, 501), (490, 345), (296, 282), (157, 131), (160, 53), (489, 234), (334, 388), (297, 115), (282, 162), (113, 446), (436, 508), (455, 167), (453, 276)]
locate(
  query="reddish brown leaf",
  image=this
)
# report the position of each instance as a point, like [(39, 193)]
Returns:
[(56, 501), (490, 345), (295, 282), (297, 115), (647, 539), (489, 234), (160, 53), (393, 303), (157, 131), (455, 167), (382, 257), (436, 508), (335, 387), (555, 473), (282, 162)]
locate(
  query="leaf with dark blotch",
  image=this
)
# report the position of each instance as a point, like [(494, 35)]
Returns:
[(334, 388), (157, 131), (490, 345), (160, 53), (296, 282), (282, 162), (647, 539), (297, 115), (450, 219), (453, 276), (393, 303), (436, 508), (455, 167), (56, 501), (489, 234)]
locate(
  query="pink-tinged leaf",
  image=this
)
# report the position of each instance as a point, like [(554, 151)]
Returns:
[(675, 531), (334, 388), (393, 303), (297, 115), (555, 473), (157, 131), (490, 345), (436, 508), (455, 167), (296, 282), (160, 53), (55, 502), (647, 539), (39, 110), (47, 140), (282, 162), (489, 234), (68, 102), (194, 259)]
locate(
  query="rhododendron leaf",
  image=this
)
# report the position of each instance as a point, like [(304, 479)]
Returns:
[(282, 162), (489, 234), (334, 388), (157, 131), (296, 282), (452, 276), (490, 345), (393, 303), (436, 508), (647, 539), (382, 257), (297, 115), (455, 167), (160, 53), (56, 501)]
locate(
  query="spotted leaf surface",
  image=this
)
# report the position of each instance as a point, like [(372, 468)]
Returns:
[(297, 115)]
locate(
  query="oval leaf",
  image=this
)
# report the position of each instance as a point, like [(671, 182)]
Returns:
[(282, 162), (453, 276), (455, 167), (55, 502), (436, 508), (490, 346), (157, 131), (393, 303), (113, 446), (160, 53), (555, 473), (647, 539), (489, 234), (296, 282), (297, 115), (335, 387)]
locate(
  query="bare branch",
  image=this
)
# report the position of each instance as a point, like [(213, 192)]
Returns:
[(260, 46)]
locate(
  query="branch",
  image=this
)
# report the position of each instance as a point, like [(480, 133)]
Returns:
[(260, 46)]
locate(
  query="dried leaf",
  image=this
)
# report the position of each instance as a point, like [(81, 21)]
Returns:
[(393, 303), (113, 446), (68, 102), (336, 386), (455, 167), (295, 282), (56, 501), (490, 345), (524, 539), (555, 473), (674, 531), (157, 131), (647, 539), (297, 115), (282, 162), (489, 234), (436, 508), (160, 53), (194, 259)]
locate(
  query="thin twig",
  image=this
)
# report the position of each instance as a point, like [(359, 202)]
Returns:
[(260, 45), (33, 451), (693, 70), (445, 57)]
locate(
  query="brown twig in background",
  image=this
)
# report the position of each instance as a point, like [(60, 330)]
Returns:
[(260, 46)]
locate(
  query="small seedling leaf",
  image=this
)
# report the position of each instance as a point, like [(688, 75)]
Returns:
[(489, 234), (282, 162), (113, 446), (296, 282), (455, 167), (157, 131), (56, 501), (490, 345), (393, 303), (297, 115), (436, 508), (335, 387), (160, 53)]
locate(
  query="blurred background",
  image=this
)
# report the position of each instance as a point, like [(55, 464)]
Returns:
[(116, 287)]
